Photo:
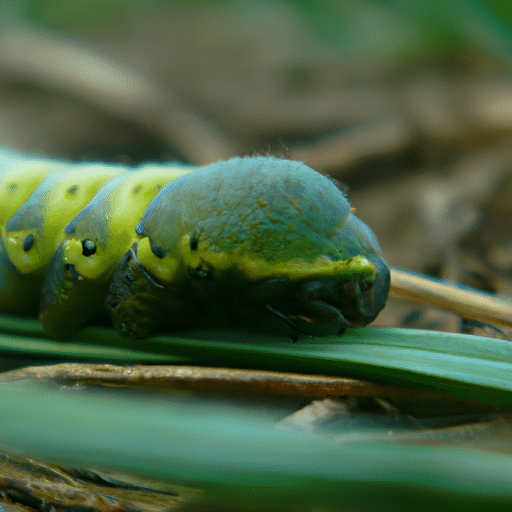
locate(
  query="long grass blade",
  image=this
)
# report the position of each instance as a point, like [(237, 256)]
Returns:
[(467, 366), (243, 461)]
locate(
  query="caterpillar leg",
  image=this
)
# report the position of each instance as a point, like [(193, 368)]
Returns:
[(67, 300), (18, 292), (135, 305)]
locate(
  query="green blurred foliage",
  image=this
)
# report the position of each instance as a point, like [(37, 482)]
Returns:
[(364, 28)]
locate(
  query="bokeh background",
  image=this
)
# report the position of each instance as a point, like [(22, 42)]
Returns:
[(407, 103)]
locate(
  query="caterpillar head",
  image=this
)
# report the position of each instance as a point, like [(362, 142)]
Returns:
[(252, 242)]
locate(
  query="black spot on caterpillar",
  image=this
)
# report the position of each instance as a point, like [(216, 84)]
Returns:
[(255, 242)]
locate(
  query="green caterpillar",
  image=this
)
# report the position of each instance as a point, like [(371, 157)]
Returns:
[(252, 243)]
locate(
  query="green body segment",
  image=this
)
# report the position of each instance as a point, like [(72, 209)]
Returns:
[(19, 177), (36, 229), (77, 281), (37, 196), (109, 220), (18, 180), (255, 242)]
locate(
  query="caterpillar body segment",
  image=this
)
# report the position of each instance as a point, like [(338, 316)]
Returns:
[(17, 181), (77, 281), (33, 233), (19, 177), (109, 220)]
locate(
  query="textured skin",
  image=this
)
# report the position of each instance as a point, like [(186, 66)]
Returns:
[(18, 179), (110, 218), (37, 196), (251, 240), (250, 243), (275, 209), (55, 201), (71, 297)]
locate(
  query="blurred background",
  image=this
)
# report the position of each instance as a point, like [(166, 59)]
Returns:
[(408, 104)]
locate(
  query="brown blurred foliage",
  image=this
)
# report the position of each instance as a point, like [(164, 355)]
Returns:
[(423, 142)]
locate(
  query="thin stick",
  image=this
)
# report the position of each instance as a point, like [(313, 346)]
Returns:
[(221, 380), (467, 302)]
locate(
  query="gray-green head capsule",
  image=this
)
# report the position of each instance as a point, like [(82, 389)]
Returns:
[(254, 242)]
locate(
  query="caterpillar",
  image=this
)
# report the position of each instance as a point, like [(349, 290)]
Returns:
[(256, 243)]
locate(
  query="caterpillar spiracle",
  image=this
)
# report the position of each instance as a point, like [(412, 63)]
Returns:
[(252, 243)]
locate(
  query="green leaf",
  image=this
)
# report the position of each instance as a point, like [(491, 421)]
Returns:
[(467, 366), (245, 462)]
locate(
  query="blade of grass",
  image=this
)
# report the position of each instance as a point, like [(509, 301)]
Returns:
[(243, 461), (22, 335), (467, 366)]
